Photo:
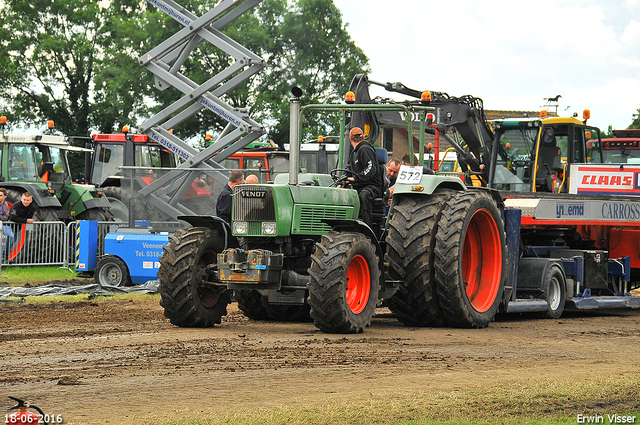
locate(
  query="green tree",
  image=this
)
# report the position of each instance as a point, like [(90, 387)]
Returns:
[(75, 61), (636, 120), (304, 44)]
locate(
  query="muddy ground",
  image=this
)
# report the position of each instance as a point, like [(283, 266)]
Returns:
[(123, 362)]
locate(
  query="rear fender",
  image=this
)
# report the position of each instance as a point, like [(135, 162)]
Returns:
[(81, 199), (36, 190), (217, 224)]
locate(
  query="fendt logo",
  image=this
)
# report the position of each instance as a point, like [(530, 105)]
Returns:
[(253, 193)]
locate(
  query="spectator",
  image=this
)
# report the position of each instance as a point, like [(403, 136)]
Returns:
[(393, 167), (4, 206), (406, 160), (23, 210), (367, 176), (223, 205), (4, 218), (251, 179)]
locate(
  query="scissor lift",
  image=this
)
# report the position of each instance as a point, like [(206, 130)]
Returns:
[(165, 61)]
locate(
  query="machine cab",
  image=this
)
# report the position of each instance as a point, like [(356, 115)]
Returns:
[(534, 154)]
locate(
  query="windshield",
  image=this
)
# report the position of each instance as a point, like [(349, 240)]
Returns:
[(513, 165), (22, 163), (622, 155)]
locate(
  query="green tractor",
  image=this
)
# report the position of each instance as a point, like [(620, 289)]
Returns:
[(38, 164), (296, 250)]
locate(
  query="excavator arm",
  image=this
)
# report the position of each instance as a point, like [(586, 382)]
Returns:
[(464, 114)]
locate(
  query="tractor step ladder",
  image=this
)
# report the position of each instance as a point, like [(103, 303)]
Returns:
[(165, 61)]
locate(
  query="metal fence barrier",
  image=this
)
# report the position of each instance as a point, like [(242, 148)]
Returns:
[(48, 243), (42, 243)]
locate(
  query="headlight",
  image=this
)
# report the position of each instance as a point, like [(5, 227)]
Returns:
[(240, 227), (269, 228)]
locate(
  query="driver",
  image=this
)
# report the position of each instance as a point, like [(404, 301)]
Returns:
[(367, 175)]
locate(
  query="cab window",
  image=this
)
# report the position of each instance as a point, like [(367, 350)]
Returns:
[(107, 160), (22, 163)]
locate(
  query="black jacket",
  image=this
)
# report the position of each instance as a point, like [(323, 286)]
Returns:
[(19, 213), (223, 205), (369, 173)]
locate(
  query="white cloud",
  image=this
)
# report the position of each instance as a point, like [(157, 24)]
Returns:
[(512, 54)]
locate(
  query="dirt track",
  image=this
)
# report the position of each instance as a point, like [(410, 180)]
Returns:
[(88, 360)]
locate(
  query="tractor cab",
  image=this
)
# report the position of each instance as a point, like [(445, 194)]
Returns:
[(534, 154)]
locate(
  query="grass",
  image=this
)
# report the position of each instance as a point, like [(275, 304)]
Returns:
[(548, 403), (37, 275), (86, 297)]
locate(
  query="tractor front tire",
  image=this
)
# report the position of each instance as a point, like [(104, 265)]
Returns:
[(187, 299), (468, 259), (344, 283)]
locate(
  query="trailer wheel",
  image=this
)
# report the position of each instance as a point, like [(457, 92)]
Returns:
[(554, 292), (188, 299), (112, 271), (410, 244), (468, 259), (249, 302), (344, 283)]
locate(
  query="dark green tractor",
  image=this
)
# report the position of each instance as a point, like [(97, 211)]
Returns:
[(38, 164), (296, 250)]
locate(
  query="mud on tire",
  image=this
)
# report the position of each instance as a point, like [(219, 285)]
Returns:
[(344, 283), (188, 301), (468, 259), (410, 244)]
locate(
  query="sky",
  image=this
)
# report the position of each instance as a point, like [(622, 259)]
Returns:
[(512, 54)]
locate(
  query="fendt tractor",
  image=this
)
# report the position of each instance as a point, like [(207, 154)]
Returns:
[(38, 164), (545, 229)]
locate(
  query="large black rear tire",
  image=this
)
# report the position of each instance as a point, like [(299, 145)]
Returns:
[(97, 214), (410, 243), (187, 299), (344, 283), (469, 259), (121, 206), (249, 303)]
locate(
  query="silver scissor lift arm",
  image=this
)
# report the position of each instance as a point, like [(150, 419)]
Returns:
[(165, 61)]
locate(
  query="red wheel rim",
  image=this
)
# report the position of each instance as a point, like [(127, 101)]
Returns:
[(358, 284), (482, 260), (208, 298)]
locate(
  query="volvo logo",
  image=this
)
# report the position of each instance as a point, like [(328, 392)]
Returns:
[(253, 193)]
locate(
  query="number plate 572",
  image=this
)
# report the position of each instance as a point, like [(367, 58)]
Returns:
[(409, 175)]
